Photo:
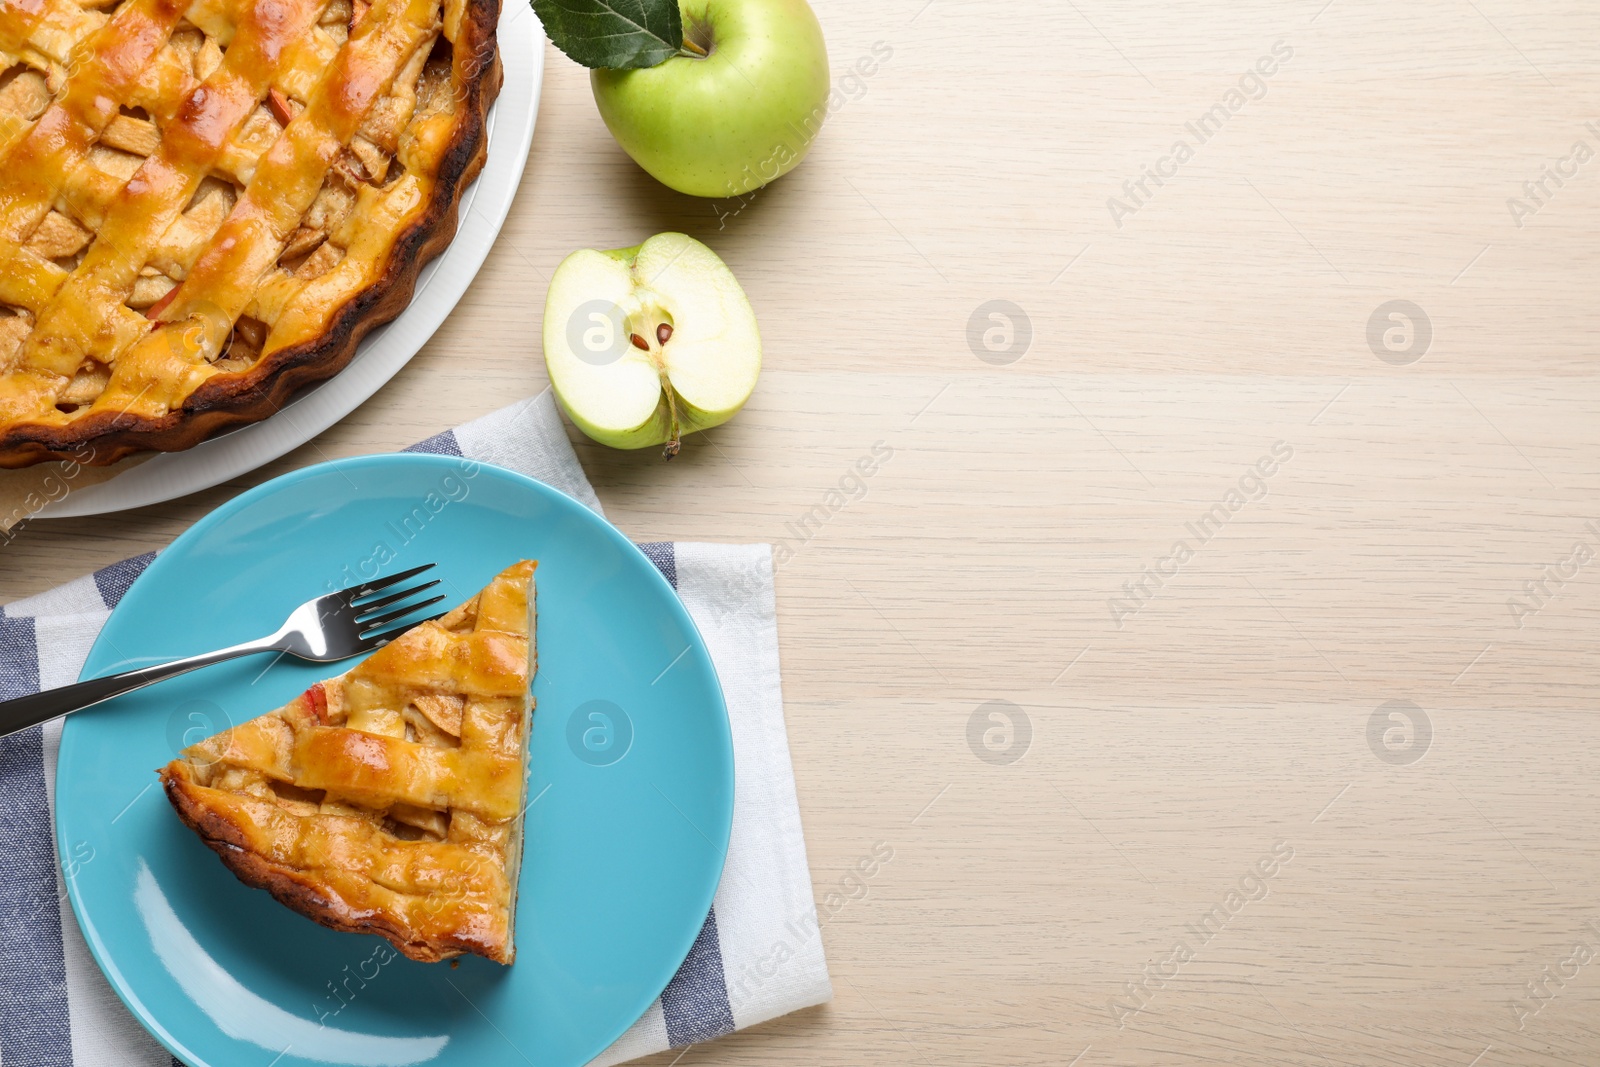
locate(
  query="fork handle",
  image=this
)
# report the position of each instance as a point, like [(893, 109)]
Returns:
[(35, 708)]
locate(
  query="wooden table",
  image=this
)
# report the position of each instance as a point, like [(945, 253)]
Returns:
[(1186, 717)]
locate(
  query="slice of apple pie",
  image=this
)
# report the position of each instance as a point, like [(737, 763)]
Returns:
[(387, 800)]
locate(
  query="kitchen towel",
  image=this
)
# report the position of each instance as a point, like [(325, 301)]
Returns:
[(758, 956)]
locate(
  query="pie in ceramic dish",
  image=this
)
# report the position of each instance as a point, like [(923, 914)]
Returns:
[(205, 206), (388, 800)]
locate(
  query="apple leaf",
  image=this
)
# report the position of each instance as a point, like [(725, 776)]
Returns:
[(618, 34)]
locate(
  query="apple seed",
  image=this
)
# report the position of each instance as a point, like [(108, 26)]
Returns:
[(639, 342), (664, 333)]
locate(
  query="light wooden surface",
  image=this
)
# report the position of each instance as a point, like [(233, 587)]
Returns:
[(1231, 712)]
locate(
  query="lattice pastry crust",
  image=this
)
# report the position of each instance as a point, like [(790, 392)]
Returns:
[(206, 204), (388, 800)]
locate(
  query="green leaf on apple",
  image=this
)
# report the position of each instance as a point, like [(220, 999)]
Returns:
[(613, 34)]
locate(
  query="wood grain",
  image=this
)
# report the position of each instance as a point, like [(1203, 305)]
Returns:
[(1234, 709)]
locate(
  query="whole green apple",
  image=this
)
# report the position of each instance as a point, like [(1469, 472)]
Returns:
[(738, 117)]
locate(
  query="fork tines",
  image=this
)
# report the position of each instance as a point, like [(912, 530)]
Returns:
[(356, 592), (367, 619)]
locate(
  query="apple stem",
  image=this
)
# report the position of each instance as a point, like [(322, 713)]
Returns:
[(674, 442), (692, 50)]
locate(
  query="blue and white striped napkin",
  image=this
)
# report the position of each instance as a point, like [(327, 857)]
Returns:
[(759, 955)]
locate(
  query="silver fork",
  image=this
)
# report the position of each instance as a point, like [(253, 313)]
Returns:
[(323, 629)]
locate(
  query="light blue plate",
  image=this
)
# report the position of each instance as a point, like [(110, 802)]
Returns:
[(632, 771)]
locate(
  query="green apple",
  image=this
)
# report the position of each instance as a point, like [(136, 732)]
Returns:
[(649, 343), (734, 119)]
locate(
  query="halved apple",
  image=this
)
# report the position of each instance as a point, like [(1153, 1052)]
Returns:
[(649, 343)]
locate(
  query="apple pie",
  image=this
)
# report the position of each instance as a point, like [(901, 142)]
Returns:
[(388, 800), (205, 206)]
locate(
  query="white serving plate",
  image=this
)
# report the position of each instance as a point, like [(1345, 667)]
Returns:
[(386, 349)]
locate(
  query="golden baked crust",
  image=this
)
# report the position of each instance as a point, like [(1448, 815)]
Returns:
[(388, 800), (206, 205)]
